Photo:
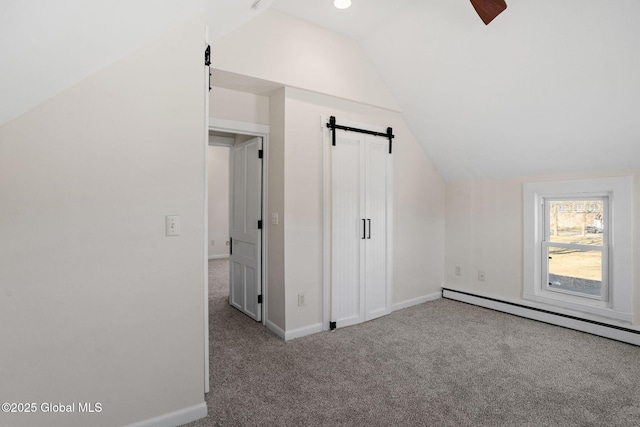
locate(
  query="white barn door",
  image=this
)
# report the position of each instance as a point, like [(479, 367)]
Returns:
[(245, 284), (360, 196)]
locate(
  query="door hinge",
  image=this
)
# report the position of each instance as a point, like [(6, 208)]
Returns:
[(259, 154), (332, 325), (259, 299), (230, 245), (207, 62), (259, 224)]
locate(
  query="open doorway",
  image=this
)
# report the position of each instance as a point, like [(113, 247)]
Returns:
[(218, 212), (236, 238), (218, 223)]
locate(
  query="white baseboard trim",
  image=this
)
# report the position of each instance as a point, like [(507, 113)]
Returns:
[(610, 330), (275, 329), (219, 256), (302, 332), (415, 301), (175, 418)]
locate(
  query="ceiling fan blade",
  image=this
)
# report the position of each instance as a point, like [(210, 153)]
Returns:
[(488, 9)]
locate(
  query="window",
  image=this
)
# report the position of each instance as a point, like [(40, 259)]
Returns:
[(578, 245), (575, 248)]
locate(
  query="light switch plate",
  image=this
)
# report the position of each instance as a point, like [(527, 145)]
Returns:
[(172, 225)]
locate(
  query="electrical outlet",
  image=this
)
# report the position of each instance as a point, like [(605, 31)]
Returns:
[(213, 243), (227, 243), (481, 275), (274, 218), (458, 271), (300, 299)]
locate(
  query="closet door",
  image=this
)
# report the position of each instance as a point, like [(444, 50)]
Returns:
[(348, 229), (360, 220), (376, 156)]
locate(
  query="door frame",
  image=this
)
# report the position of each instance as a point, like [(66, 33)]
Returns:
[(206, 75), (251, 129)]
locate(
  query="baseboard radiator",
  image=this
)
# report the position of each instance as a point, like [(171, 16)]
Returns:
[(607, 330)]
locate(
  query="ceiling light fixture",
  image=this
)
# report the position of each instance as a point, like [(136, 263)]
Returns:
[(342, 4)]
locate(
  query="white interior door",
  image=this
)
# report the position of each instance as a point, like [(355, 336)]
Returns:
[(245, 284), (360, 228), (348, 229)]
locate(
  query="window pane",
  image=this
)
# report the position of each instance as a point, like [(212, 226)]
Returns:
[(576, 221), (575, 270)]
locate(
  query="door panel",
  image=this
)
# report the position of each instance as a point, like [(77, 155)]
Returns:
[(348, 229), (245, 282), (377, 151)]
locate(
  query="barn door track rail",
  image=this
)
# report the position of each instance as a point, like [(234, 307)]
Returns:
[(333, 126)]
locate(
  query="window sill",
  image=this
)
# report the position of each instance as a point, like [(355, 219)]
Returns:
[(591, 310)]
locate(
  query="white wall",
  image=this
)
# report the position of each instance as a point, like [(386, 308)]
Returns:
[(282, 49), (418, 245), (218, 169), (238, 106), (484, 231), (97, 305)]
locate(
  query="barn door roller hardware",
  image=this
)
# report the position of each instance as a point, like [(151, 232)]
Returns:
[(333, 126)]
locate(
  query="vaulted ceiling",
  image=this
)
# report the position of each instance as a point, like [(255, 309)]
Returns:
[(47, 46), (546, 87)]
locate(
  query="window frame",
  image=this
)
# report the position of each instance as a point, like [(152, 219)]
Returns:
[(619, 263)]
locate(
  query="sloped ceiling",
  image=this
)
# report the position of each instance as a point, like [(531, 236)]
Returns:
[(47, 46), (547, 87)]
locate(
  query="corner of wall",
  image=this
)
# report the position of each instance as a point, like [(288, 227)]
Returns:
[(276, 313)]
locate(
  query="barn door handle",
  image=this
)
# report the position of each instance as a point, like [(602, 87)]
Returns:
[(364, 228), (368, 237)]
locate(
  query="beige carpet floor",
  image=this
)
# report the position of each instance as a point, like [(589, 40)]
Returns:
[(442, 363)]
